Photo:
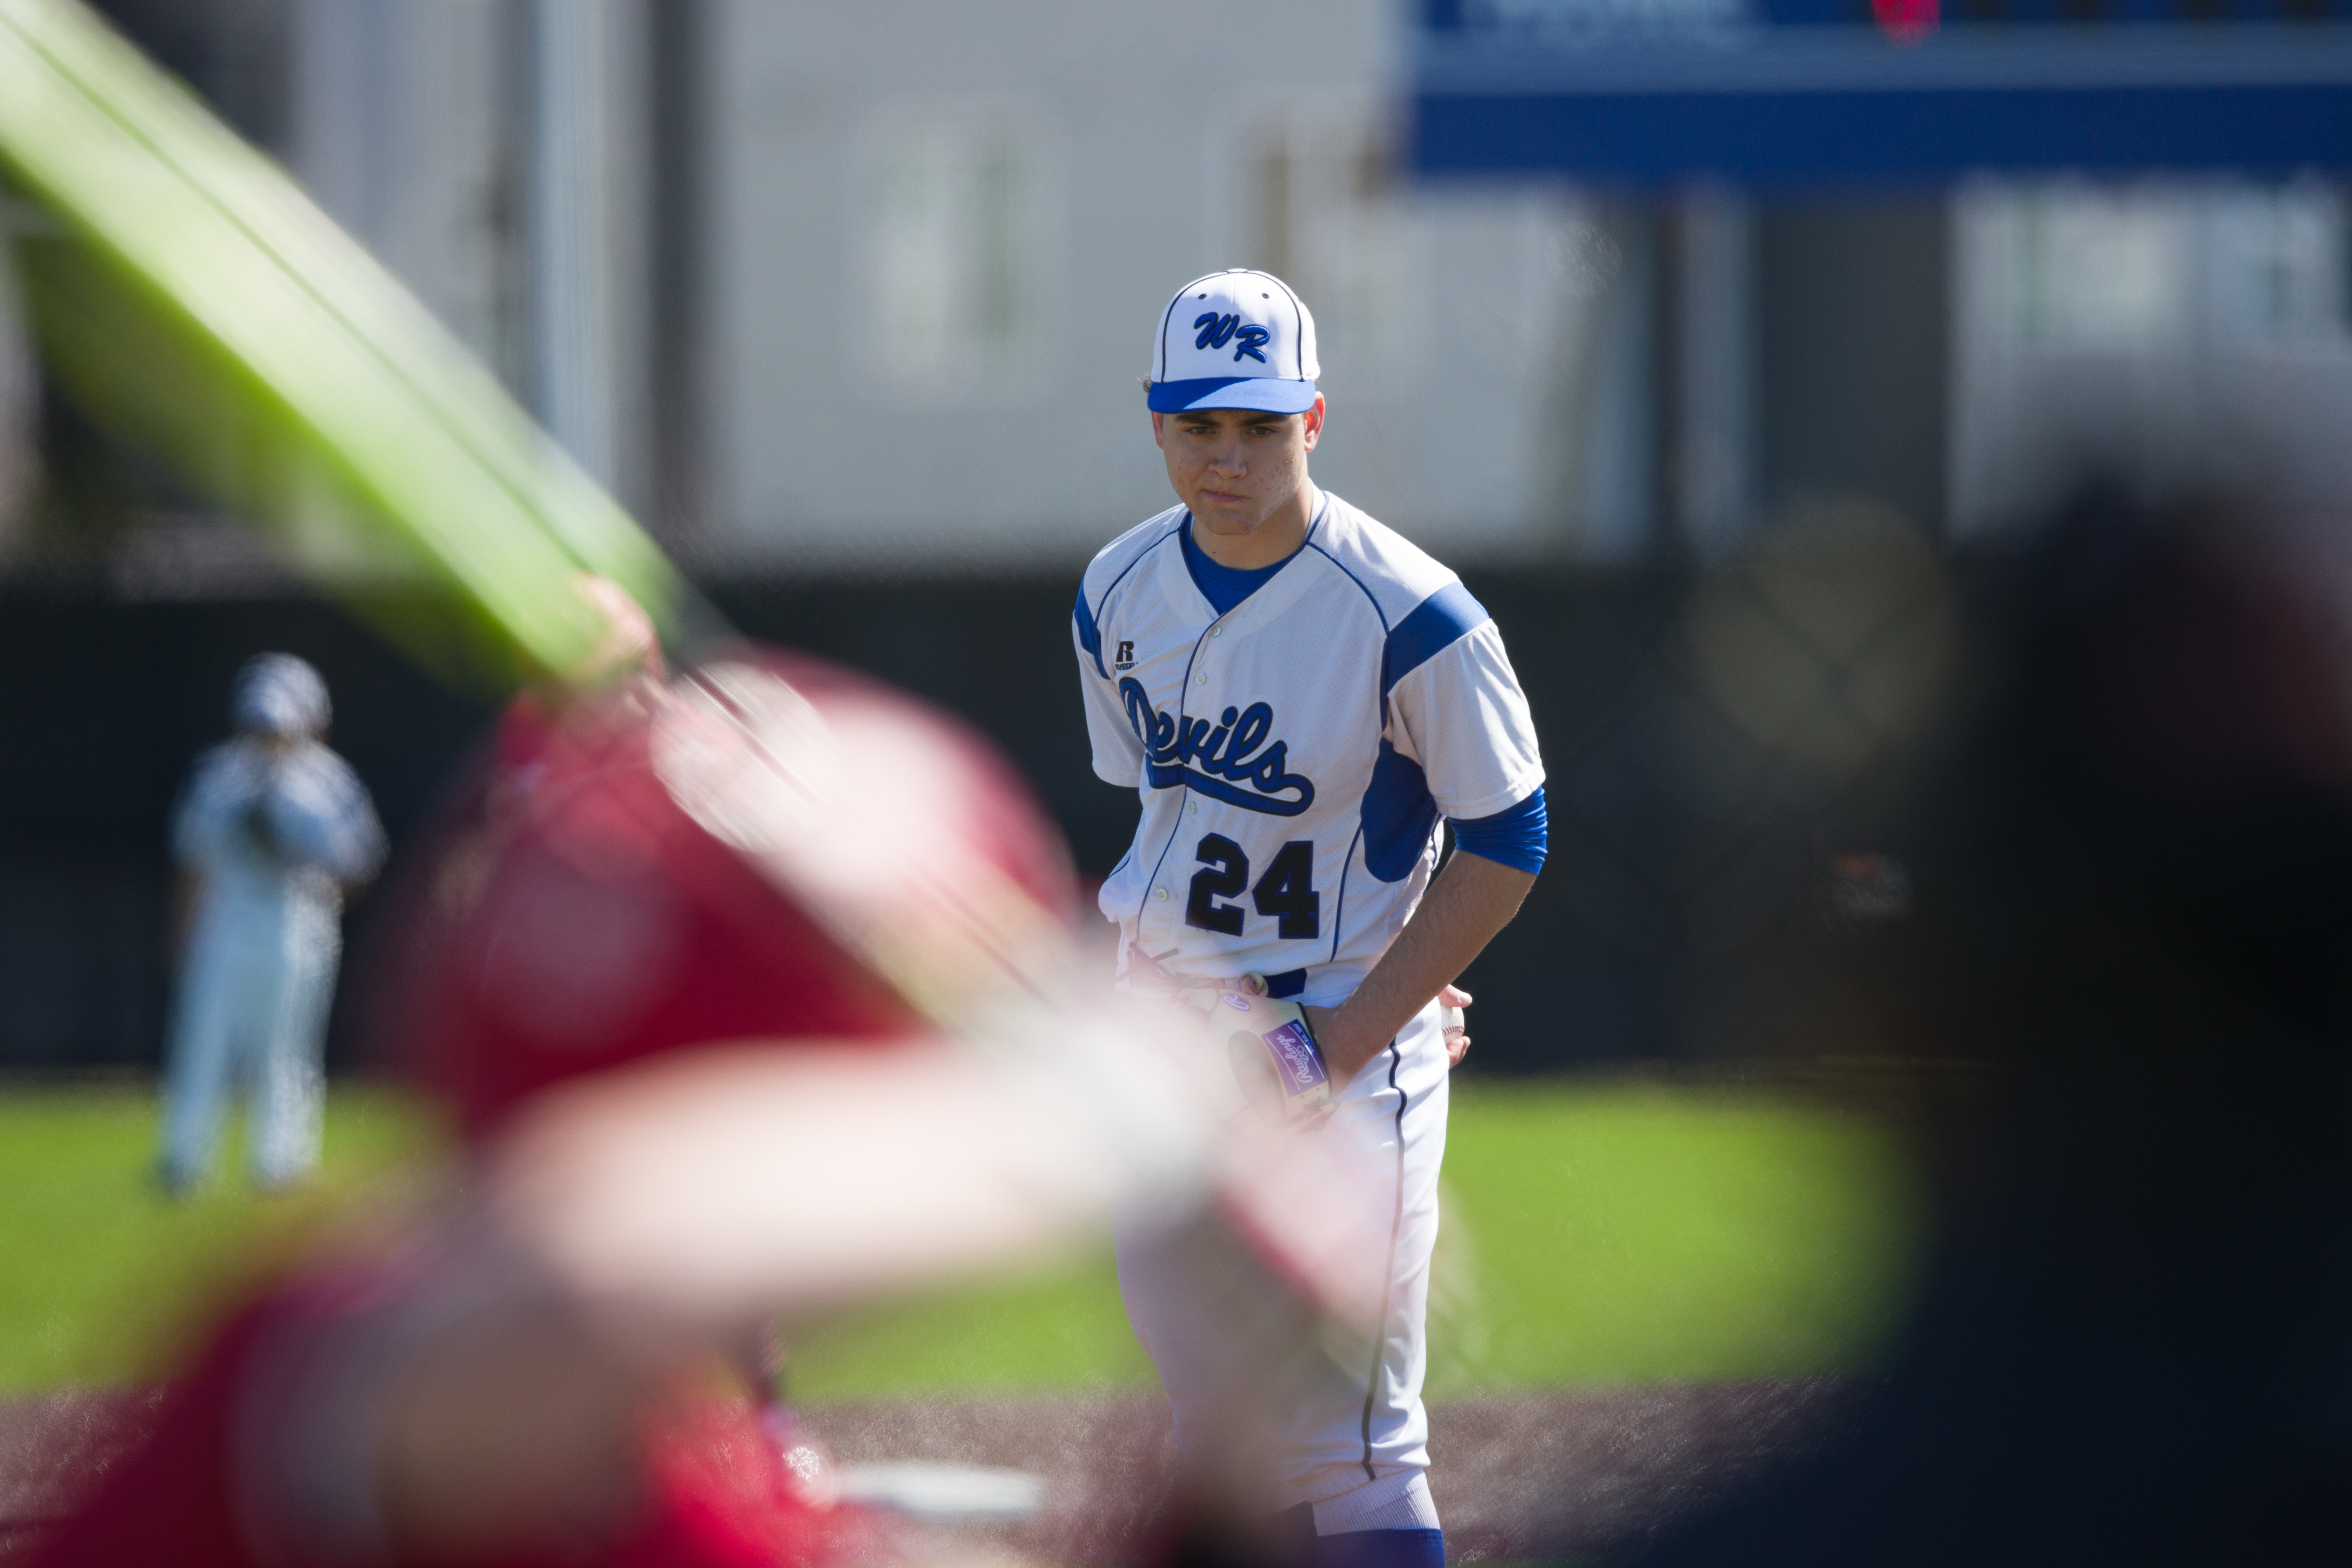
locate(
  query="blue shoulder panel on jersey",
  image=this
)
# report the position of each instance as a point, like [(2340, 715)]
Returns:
[(1399, 816), (1089, 634), (1436, 624)]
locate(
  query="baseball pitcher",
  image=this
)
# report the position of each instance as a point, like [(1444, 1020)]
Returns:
[(1298, 694)]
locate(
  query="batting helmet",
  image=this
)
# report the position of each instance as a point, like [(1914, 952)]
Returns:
[(770, 848)]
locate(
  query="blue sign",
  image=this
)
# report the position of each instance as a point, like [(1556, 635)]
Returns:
[(1819, 92)]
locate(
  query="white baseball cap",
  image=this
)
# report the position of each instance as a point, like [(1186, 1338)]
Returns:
[(1236, 339)]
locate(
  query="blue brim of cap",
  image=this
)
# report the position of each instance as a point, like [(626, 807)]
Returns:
[(1268, 393)]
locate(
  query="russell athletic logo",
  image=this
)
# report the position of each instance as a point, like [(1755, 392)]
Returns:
[(1217, 331), (1218, 760)]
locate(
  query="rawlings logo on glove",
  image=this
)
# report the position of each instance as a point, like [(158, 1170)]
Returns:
[(1275, 1058), (1275, 1061)]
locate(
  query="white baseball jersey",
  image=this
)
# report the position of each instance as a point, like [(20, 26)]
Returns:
[(256, 824), (271, 834), (1295, 755)]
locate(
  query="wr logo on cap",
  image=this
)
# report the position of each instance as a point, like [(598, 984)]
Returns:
[(1217, 331)]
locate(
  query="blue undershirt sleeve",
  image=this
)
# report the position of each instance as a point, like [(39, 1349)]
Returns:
[(1516, 836)]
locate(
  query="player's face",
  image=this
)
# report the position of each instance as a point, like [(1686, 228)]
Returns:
[(1236, 468)]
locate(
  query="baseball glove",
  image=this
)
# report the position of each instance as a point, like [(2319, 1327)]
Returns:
[(1275, 1057), (1277, 1063)]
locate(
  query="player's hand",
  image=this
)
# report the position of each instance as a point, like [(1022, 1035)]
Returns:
[(1452, 998), (1346, 1055)]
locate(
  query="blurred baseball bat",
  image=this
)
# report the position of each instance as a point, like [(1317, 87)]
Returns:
[(192, 299)]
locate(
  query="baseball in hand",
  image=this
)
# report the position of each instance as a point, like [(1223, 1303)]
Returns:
[(1452, 1000)]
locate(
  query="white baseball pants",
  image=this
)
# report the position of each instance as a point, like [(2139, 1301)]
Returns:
[(1353, 1438), (252, 1006)]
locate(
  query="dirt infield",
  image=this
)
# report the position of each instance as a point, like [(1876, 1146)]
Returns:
[(1573, 1474)]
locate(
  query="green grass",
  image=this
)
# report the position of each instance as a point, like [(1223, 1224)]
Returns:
[(1593, 1234), (1638, 1234), (100, 1275)]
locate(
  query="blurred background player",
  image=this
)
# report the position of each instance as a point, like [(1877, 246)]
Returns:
[(1298, 694), (271, 830)]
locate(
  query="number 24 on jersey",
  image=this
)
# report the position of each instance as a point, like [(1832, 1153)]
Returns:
[(1285, 893)]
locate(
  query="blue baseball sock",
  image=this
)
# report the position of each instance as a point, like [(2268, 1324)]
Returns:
[(1382, 1549)]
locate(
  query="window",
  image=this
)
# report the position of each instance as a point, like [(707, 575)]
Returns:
[(2173, 335), (1326, 218), (956, 255)]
